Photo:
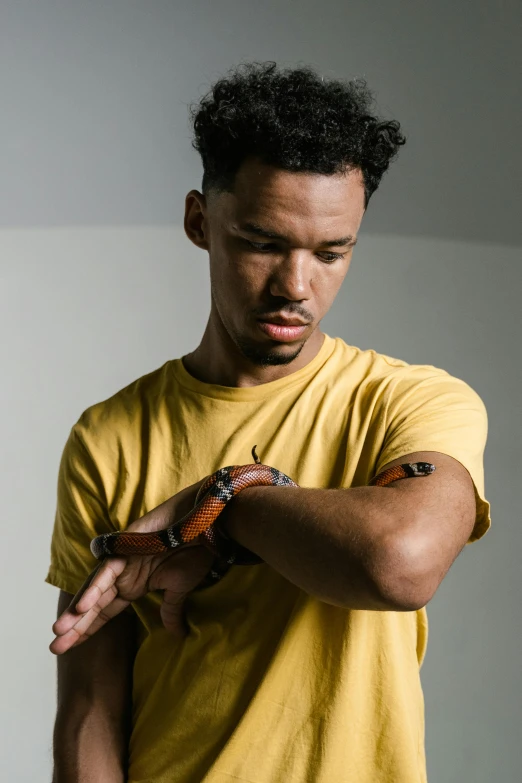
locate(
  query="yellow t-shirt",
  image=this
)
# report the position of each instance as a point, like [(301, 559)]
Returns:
[(271, 685)]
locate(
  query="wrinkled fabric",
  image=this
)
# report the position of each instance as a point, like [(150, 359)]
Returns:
[(271, 685)]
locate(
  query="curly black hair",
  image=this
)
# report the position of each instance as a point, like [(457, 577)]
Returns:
[(293, 119)]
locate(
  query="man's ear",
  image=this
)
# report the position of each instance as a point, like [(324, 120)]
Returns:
[(195, 222)]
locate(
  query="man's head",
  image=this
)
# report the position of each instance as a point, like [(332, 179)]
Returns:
[(290, 162)]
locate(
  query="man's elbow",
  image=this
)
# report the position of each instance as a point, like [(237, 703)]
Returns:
[(405, 575)]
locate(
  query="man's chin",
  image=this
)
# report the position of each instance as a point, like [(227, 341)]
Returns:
[(270, 356)]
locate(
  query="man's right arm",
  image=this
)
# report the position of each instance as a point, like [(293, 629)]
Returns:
[(94, 714)]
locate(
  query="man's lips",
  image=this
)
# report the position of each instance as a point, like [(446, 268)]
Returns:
[(283, 330), (283, 320)]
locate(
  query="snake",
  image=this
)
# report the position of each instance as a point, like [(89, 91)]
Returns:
[(202, 521)]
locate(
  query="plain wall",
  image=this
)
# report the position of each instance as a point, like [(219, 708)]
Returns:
[(99, 285), (95, 96)]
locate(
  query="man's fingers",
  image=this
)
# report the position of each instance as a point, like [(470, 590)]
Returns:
[(97, 583), (172, 614), (88, 624), (69, 621), (65, 622), (101, 615), (104, 579), (62, 643), (84, 587), (74, 619)]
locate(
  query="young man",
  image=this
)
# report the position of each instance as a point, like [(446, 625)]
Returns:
[(304, 667)]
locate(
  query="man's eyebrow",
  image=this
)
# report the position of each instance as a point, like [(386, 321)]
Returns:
[(254, 228)]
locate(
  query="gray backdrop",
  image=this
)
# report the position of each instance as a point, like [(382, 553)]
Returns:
[(99, 285)]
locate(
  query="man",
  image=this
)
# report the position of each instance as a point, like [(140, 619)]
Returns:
[(304, 667)]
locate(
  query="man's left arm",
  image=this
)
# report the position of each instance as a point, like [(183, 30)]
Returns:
[(381, 548)]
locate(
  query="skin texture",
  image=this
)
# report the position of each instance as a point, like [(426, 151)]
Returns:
[(380, 548), (95, 704), (297, 277), (391, 545)]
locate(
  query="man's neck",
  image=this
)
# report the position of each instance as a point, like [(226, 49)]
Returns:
[(217, 360)]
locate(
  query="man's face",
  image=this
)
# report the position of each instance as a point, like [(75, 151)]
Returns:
[(269, 293)]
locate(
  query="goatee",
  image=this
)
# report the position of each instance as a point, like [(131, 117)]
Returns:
[(266, 357)]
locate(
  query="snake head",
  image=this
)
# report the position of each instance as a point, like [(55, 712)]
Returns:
[(421, 468), (101, 545)]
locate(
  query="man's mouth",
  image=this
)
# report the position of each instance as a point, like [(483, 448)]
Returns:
[(282, 329), (283, 320)]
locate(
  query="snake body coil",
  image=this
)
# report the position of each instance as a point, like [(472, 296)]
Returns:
[(211, 499)]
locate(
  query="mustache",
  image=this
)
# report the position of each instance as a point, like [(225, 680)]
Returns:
[(285, 309)]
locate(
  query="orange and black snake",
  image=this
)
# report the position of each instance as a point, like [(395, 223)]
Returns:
[(211, 499)]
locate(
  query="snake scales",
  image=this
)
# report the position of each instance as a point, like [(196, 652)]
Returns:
[(211, 499)]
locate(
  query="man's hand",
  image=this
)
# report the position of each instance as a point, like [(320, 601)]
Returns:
[(118, 581)]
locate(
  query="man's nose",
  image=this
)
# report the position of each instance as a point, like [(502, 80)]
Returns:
[(292, 278)]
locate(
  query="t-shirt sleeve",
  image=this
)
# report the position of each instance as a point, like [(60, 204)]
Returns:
[(81, 514), (427, 409)]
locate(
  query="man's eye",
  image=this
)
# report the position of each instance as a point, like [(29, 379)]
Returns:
[(331, 256), (263, 246)]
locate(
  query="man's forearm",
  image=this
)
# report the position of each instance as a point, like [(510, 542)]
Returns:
[(88, 748), (93, 719), (339, 545)]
